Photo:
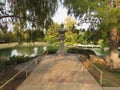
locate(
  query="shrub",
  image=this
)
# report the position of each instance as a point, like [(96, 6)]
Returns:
[(2, 66), (13, 61), (18, 59), (52, 49), (81, 51)]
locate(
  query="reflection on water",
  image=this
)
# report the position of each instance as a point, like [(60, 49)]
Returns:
[(21, 51), (44, 48), (36, 50), (97, 52), (15, 52), (101, 52)]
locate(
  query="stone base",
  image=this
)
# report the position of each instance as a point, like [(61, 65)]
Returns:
[(61, 52)]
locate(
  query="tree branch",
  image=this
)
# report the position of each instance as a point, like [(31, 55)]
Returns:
[(9, 16)]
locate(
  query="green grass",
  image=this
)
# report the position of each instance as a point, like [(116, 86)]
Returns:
[(110, 78), (10, 45)]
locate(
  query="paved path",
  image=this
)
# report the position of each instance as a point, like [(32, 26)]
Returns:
[(60, 73)]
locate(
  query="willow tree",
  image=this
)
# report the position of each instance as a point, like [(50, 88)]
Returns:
[(30, 14), (109, 12)]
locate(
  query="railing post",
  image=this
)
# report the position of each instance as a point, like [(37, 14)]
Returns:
[(1, 88), (36, 62), (26, 72), (101, 73), (101, 78), (25, 69)]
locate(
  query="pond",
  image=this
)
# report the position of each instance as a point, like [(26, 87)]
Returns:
[(30, 51), (100, 52)]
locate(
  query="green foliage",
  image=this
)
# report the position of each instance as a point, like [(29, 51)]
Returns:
[(18, 59), (2, 35), (70, 38), (76, 6), (27, 35), (89, 37), (69, 23), (13, 61), (71, 35), (100, 41), (39, 11), (108, 12), (52, 34), (81, 51), (7, 37), (2, 66), (52, 49), (81, 38), (24, 14), (111, 20)]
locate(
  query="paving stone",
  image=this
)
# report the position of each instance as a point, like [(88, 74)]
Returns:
[(60, 73)]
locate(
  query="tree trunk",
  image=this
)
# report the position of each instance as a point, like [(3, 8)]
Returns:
[(114, 60)]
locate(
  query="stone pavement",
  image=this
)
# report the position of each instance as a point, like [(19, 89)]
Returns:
[(60, 73)]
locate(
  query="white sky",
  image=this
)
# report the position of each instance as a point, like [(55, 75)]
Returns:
[(60, 15)]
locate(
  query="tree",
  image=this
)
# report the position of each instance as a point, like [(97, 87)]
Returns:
[(69, 23), (10, 37), (28, 13), (111, 21), (109, 12), (2, 35), (18, 32), (71, 36), (52, 34)]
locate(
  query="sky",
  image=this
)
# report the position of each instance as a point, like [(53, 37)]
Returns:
[(60, 15)]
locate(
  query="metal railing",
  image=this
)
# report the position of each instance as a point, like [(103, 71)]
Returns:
[(101, 73), (25, 69), (89, 46)]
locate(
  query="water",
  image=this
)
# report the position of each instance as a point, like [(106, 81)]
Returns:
[(15, 52), (21, 51), (36, 50), (100, 52)]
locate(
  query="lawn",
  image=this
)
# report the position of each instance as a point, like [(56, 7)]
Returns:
[(10, 45), (110, 78)]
